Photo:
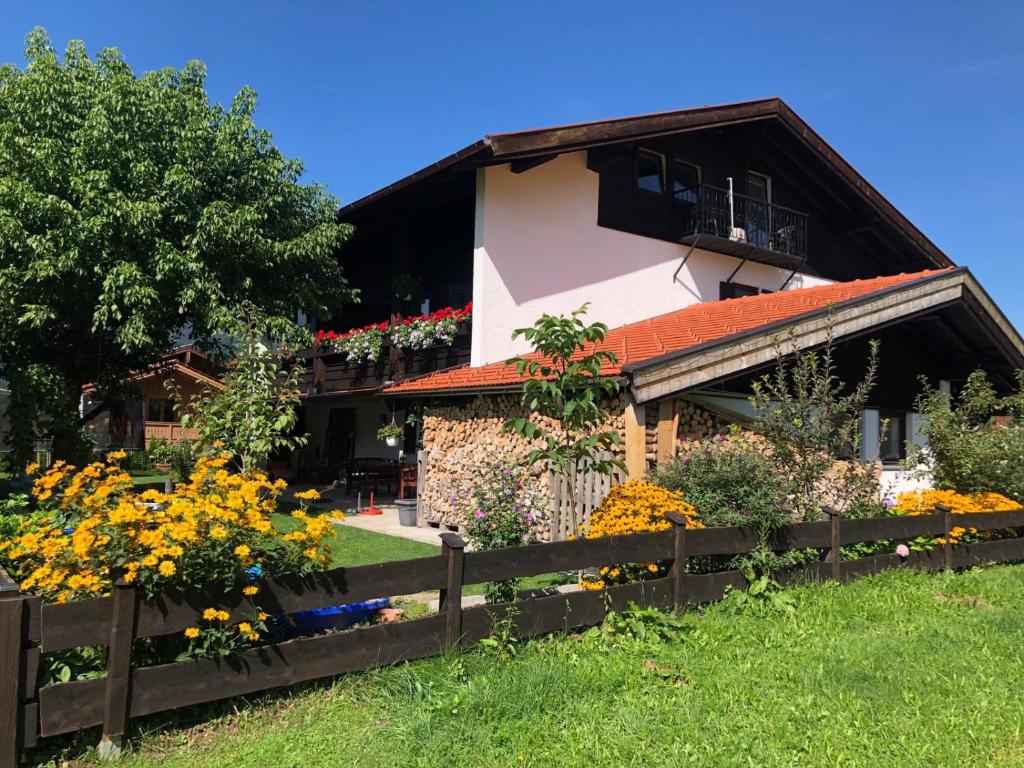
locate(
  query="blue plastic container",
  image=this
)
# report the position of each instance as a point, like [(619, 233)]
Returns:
[(336, 617)]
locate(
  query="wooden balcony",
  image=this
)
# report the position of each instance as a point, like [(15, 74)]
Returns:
[(329, 372), (171, 431)]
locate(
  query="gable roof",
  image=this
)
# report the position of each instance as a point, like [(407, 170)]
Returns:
[(499, 148), (645, 347)]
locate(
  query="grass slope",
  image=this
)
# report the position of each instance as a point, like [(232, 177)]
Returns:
[(898, 669)]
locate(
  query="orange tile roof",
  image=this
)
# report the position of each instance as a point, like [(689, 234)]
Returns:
[(676, 331)]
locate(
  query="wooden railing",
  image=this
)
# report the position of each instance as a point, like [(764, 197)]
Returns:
[(29, 629)]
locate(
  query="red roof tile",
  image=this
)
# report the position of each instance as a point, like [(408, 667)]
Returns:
[(676, 331)]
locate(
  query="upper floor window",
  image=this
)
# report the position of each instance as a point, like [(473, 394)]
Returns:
[(650, 171), (685, 178), (160, 409), (736, 290), (759, 187)]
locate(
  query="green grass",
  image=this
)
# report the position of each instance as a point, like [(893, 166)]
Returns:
[(898, 669), (148, 478)]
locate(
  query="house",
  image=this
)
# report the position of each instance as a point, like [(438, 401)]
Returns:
[(150, 413), (697, 235)]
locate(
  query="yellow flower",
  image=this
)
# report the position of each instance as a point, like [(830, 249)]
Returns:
[(117, 455), (167, 568), (262, 616), (192, 633), (210, 614), (253, 636), (32, 468), (219, 532), (223, 615), (242, 551), (251, 590), (311, 495), (245, 628), (149, 561)]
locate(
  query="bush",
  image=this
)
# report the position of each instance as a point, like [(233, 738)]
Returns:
[(502, 509), (210, 533), (728, 480), (635, 507), (976, 442), (924, 503)]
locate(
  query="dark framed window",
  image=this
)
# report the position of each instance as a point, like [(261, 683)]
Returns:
[(685, 178), (650, 171), (160, 409), (735, 290), (893, 446)]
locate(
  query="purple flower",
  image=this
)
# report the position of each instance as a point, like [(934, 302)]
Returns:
[(529, 517), (478, 514), (686, 461), (889, 503), (453, 499), (903, 550)]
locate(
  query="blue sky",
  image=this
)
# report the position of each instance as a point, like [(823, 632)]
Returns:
[(923, 98)]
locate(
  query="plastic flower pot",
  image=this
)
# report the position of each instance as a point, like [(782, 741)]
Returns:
[(406, 512), (335, 617), (391, 442)]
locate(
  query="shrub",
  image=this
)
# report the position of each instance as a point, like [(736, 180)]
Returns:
[(635, 507), (728, 480), (502, 509), (924, 503), (210, 532), (975, 442)]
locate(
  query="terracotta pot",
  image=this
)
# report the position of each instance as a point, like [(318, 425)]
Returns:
[(162, 467)]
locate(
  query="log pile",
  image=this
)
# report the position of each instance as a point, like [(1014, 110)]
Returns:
[(698, 423), (462, 438)]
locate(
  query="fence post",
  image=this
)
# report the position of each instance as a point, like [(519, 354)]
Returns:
[(119, 670), (947, 525), (837, 557), (678, 560), (12, 607), (453, 548)]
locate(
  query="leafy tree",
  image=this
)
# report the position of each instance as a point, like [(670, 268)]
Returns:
[(975, 441), (132, 211), (565, 388), (810, 421), (254, 415)]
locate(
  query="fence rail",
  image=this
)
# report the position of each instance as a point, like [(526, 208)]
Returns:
[(29, 629)]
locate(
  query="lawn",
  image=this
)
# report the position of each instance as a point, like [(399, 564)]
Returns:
[(898, 669)]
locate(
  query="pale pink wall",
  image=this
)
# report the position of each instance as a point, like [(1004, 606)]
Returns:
[(539, 249)]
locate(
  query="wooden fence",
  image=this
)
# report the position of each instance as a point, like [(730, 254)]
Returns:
[(591, 489), (29, 628)]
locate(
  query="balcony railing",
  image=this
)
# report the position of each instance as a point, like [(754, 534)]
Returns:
[(740, 225), (330, 372)]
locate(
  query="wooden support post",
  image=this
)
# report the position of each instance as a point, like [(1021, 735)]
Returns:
[(668, 426), (453, 548), (636, 441), (947, 525), (837, 556), (678, 560), (119, 670), (12, 608)]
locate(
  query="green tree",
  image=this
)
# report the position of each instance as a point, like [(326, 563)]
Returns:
[(810, 421), (975, 441), (132, 212), (565, 388), (255, 414)]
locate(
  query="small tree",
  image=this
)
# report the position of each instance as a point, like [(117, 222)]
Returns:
[(976, 441), (565, 386), (810, 421), (255, 413)]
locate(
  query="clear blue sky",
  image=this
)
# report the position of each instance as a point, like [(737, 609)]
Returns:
[(924, 98)]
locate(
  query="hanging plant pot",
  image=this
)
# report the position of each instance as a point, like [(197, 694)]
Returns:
[(391, 442)]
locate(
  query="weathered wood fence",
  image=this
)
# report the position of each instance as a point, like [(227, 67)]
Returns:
[(591, 489), (29, 628)]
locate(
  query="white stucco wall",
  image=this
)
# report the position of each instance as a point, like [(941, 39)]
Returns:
[(538, 249)]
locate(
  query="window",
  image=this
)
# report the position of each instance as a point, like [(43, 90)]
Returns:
[(160, 409), (735, 290), (894, 442), (685, 178), (759, 186), (650, 171)]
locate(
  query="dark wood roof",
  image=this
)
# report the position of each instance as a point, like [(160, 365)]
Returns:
[(502, 148)]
